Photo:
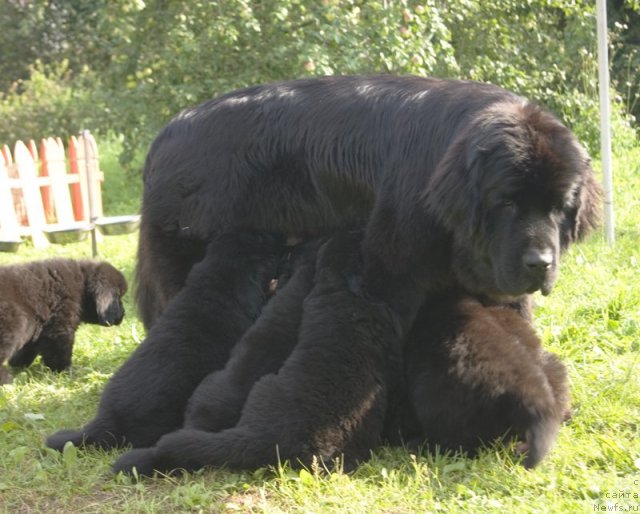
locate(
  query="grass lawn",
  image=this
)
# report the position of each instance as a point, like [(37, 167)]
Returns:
[(592, 320)]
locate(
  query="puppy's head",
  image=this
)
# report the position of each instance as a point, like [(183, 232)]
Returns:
[(104, 287), (339, 262)]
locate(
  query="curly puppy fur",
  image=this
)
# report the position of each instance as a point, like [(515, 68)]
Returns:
[(147, 396), (478, 373), (482, 186), (329, 398), (43, 302)]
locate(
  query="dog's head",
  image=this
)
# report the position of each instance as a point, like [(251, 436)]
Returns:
[(514, 190), (104, 287)]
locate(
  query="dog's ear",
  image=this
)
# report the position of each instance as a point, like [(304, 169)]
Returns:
[(339, 261), (570, 166), (453, 191), (586, 212), (589, 212)]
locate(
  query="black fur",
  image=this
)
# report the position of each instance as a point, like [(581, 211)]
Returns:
[(147, 396), (218, 401), (478, 373), (467, 178), (43, 302), (329, 398)]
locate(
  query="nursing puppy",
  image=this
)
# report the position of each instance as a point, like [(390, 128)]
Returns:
[(218, 401), (146, 398), (328, 399), (43, 302), (478, 373)]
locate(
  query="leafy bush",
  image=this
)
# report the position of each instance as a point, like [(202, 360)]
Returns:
[(51, 102), (145, 61)]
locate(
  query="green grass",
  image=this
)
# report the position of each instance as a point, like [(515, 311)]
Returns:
[(592, 320)]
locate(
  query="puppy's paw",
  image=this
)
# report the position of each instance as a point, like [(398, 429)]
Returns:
[(539, 439), (59, 439), (142, 460)]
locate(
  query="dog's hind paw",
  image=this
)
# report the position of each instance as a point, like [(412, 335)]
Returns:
[(137, 463)]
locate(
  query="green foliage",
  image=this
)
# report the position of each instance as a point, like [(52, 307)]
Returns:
[(624, 16), (122, 190), (126, 67), (544, 50), (52, 32), (47, 103)]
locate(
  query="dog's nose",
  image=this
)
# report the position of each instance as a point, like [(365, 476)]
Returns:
[(538, 260)]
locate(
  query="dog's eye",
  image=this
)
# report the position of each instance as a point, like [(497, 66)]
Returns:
[(507, 204)]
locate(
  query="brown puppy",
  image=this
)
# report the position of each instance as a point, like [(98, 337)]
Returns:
[(43, 302), (478, 373)]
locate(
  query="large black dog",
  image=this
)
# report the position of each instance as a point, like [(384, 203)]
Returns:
[(482, 187), (223, 296), (328, 399)]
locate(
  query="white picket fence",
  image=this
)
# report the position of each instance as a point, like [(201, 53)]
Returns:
[(47, 188)]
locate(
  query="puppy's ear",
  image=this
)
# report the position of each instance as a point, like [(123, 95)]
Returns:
[(296, 257), (341, 252), (339, 261)]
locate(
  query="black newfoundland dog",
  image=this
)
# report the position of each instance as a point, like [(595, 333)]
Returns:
[(476, 185), (43, 302)]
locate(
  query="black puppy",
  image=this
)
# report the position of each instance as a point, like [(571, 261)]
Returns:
[(328, 399), (478, 373), (217, 402), (147, 396)]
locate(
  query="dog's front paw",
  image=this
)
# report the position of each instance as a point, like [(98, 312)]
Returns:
[(60, 438)]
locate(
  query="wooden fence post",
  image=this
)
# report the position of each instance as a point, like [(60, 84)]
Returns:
[(18, 199), (9, 224), (78, 190), (53, 161), (31, 192)]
